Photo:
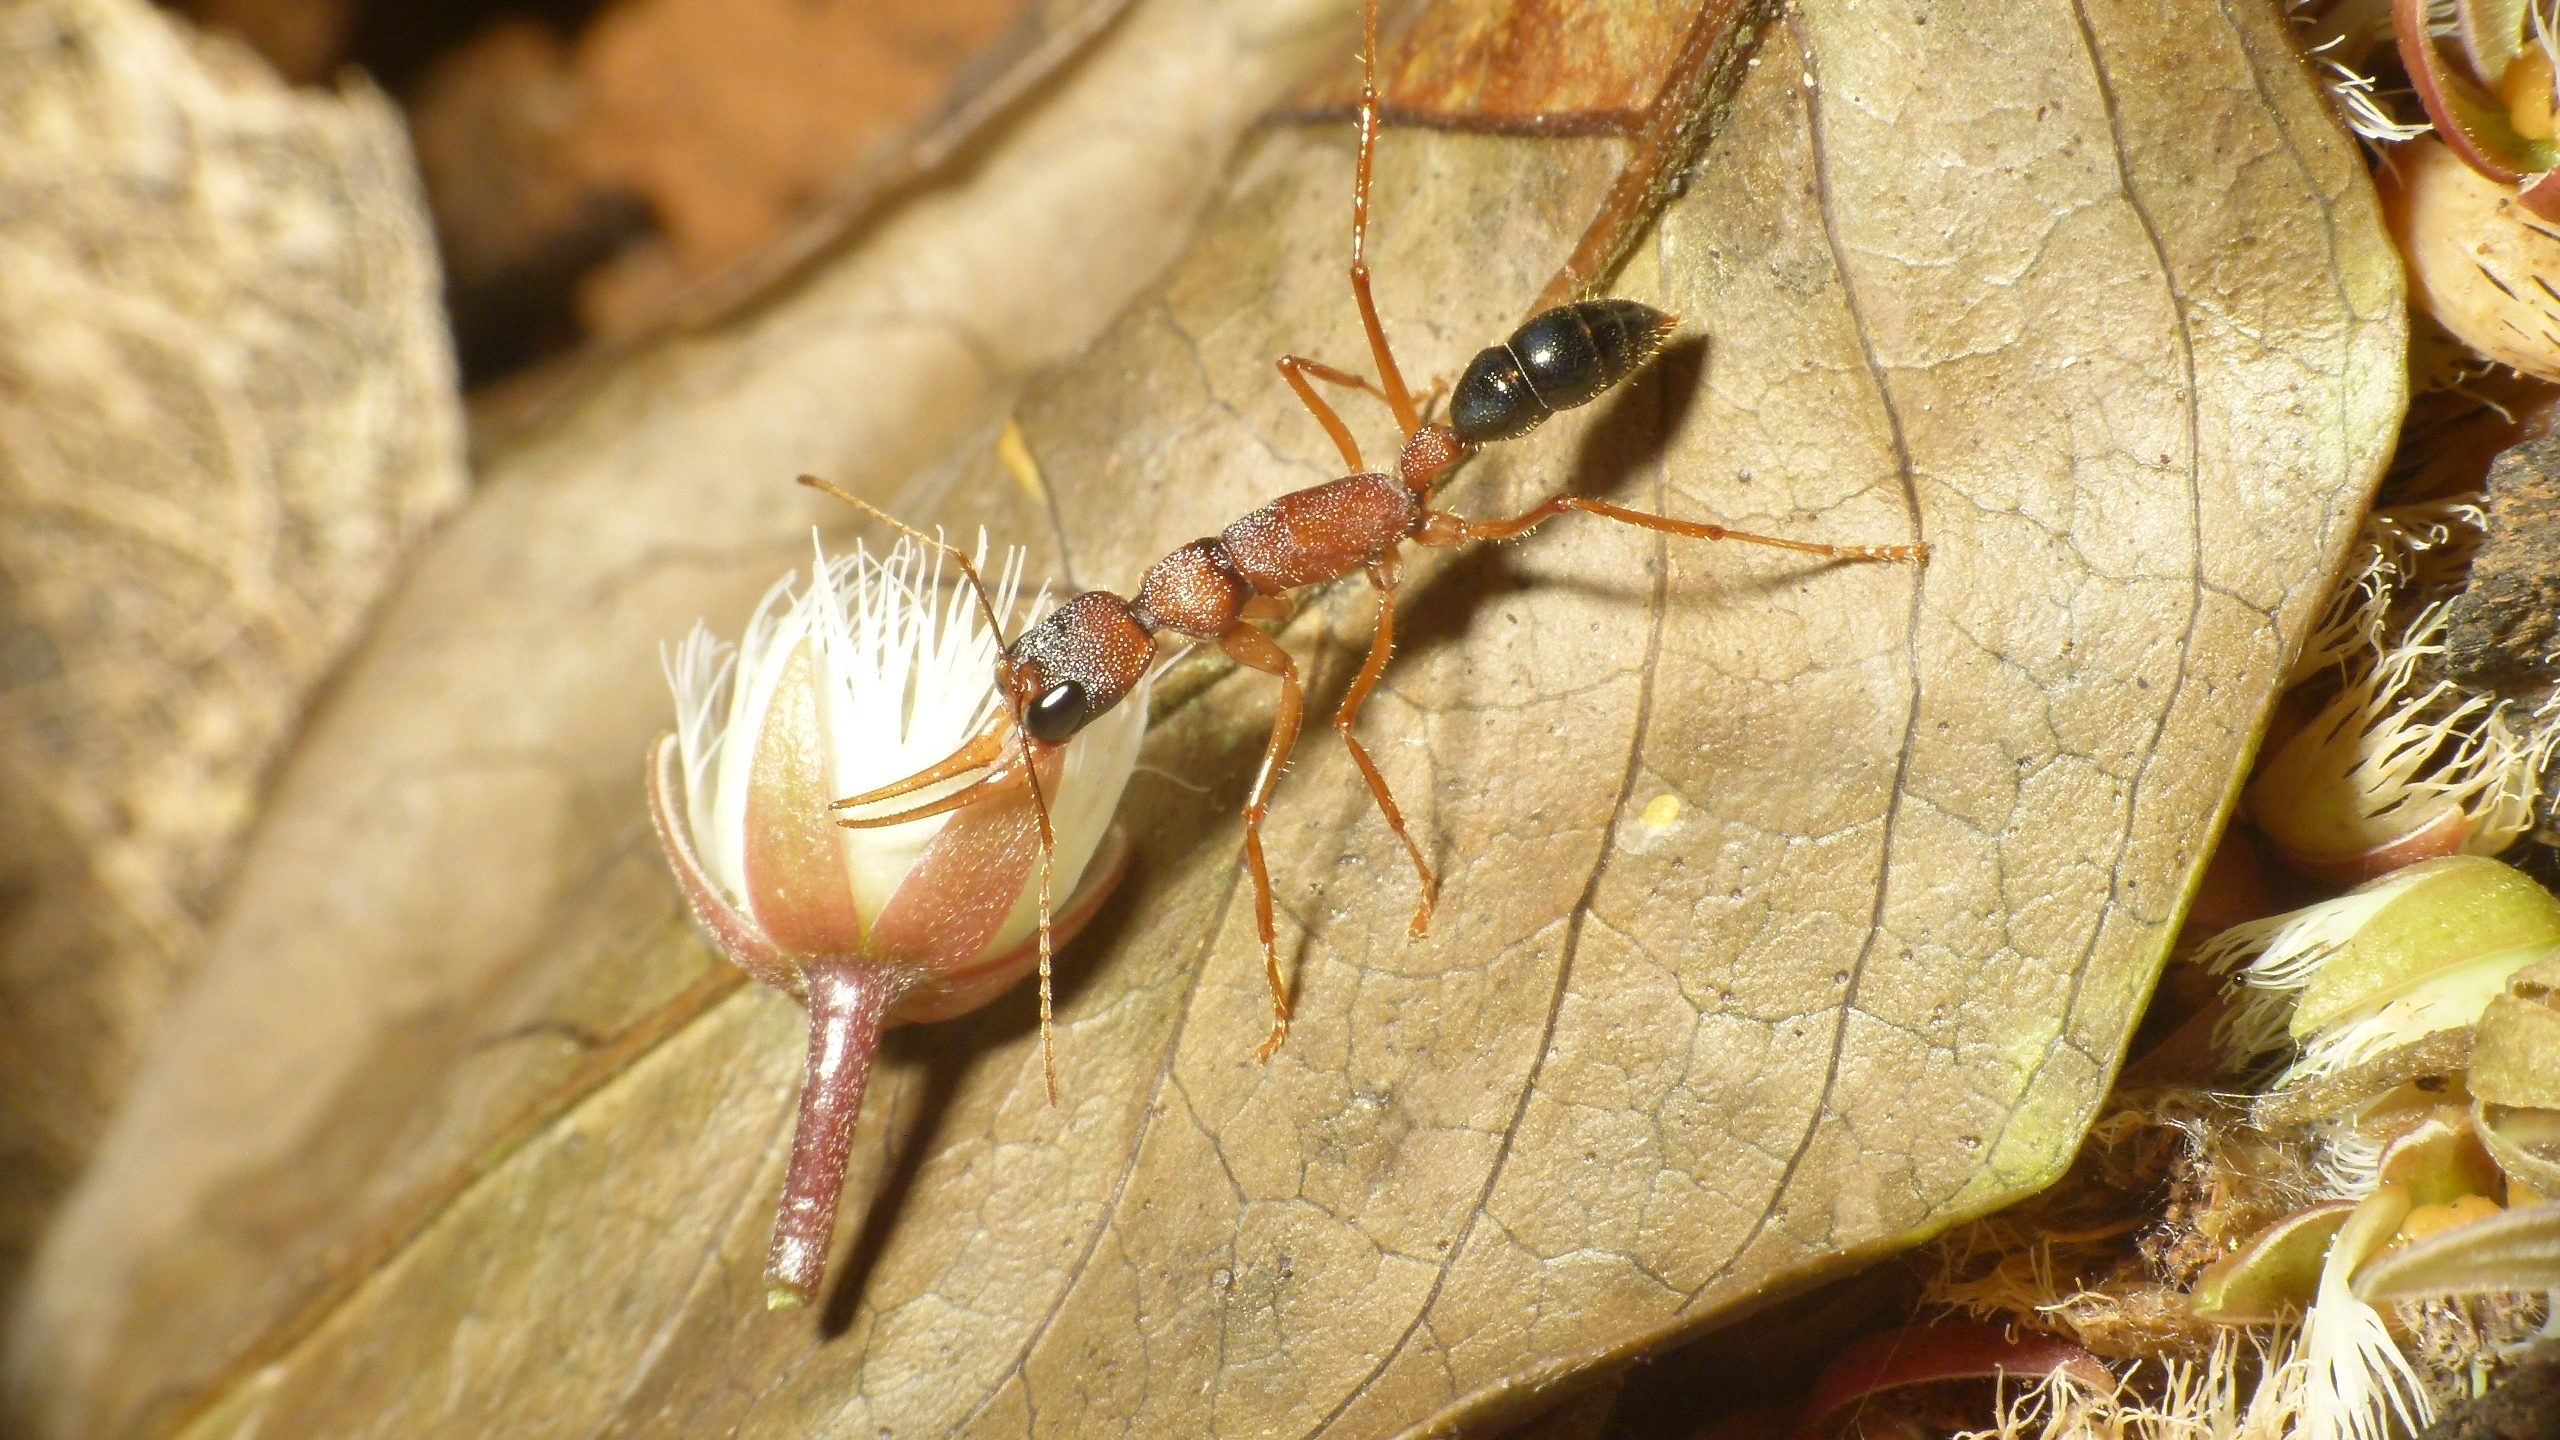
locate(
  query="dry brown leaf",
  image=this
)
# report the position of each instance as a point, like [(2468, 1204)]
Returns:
[(226, 408), (1792, 913), (731, 116)]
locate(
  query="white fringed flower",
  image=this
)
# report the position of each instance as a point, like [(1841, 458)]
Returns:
[(2399, 551), (2397, 768), (872, 673), (2276, 958), (2342, 37), (2421, 950), (891, 672)]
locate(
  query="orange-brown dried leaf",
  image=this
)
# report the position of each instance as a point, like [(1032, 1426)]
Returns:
[(1527, 65), (733, 116)]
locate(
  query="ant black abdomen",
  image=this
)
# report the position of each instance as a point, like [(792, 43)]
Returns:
[(1562, 358)]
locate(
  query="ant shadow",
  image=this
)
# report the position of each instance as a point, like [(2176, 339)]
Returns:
[(949, 1052), (1629, 437), (1632, 433)]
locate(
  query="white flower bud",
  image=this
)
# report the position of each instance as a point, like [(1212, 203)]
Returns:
[(871, 674)]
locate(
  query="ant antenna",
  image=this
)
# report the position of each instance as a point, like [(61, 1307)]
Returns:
[(1022, 736), (960, 557)]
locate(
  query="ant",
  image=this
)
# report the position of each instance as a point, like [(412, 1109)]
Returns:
[(1086, 655)]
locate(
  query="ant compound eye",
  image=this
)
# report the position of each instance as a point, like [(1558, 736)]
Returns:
[(1058, 714)]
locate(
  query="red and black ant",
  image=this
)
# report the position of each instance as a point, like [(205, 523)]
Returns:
[(1086, 655)]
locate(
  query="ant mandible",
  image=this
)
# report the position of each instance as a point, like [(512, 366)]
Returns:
[(1086, 655)]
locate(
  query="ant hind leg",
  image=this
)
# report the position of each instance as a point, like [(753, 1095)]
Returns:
[(1443, 530)]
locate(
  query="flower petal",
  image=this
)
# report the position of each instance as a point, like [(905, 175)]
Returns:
[(2471, 121), (797, 883), (964, 990), (966, 882), (733, 934), (1933, 1353), (2276, 1273), (2515, 1250)]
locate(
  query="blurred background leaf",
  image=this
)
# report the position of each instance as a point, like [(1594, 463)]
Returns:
[(227, 407)]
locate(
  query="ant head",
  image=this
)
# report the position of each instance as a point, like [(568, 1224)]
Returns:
[(1081, 659)]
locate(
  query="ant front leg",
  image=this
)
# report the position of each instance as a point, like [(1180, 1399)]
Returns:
[(1444, 530), (1399, 399), (1295, 369), (1253, 649), (1384, 575)]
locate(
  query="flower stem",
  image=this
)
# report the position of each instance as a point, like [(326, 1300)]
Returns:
[(847, 1004)]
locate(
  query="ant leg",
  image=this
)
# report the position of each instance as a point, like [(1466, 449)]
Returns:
[(1250, 647), (1399, 399), (1295, 369), (1442, 529), (1384, 576)]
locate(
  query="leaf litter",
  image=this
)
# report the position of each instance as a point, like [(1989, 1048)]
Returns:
[(1868, 979)]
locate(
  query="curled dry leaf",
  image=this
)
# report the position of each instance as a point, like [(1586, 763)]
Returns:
[(2276, 1273), (2517, 1060), (1790, 913), (1935, 1354), (226, 408), (2503, 1252)]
